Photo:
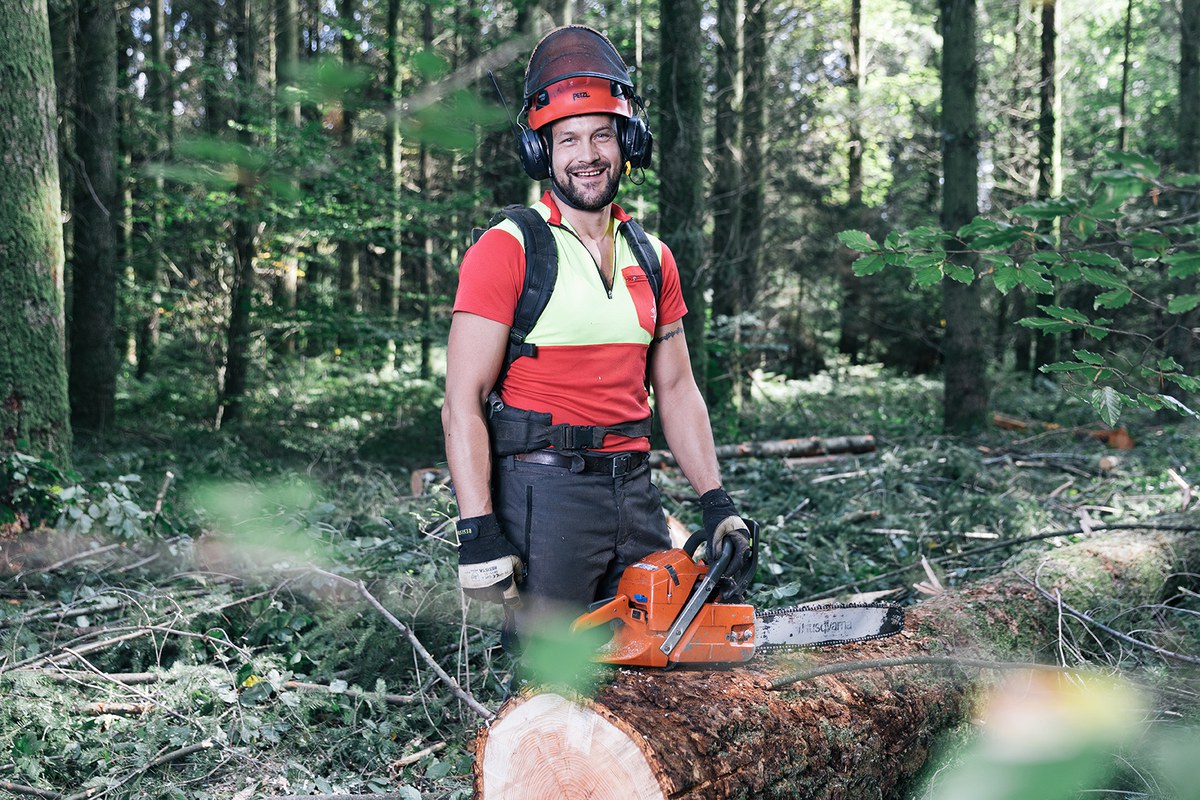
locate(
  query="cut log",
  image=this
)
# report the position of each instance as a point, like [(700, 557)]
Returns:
[(712, 734), (782, 448)]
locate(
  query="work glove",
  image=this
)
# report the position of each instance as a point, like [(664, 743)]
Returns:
[(488, 564), (721, 522)]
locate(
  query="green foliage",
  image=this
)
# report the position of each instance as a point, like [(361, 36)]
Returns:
[(30, 491), (1115, 248)]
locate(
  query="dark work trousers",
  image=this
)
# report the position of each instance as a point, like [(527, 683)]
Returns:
[(576, 532)]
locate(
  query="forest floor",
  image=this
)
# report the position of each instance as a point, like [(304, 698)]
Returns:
[(199, 623)]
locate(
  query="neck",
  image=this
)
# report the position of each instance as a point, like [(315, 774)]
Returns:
[(592, 224)]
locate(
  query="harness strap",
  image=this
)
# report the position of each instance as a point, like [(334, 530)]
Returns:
[(515, 430)]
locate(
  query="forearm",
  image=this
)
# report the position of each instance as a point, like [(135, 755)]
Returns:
[(684, 419), (468, 452)]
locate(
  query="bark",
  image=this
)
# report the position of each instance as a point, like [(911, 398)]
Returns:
[(394, 273), (425, 170), (1046, 345), (158, 80), (1126, 65), (850, 335), (754, 731), (680, 149), (727, 251), (245, 228), (754, 126), (783, 448), (34, 414), (350, 279), (964, 405), (94, 359), (287, 65)]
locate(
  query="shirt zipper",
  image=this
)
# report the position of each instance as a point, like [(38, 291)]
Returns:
[(608, 287)]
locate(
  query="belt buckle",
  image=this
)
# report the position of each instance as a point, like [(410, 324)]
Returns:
[(620, 464)]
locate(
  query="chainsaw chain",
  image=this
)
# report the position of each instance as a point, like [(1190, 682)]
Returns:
[(895, 616)]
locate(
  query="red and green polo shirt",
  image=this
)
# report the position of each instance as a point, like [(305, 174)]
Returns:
[(592, 343)]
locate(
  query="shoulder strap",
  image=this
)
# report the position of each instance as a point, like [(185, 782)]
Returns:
[(645, 254), (541, 272)]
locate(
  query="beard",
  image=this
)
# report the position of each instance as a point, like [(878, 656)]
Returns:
[(592, 198)]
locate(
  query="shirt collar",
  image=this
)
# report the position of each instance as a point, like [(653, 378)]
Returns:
[(555, 217)]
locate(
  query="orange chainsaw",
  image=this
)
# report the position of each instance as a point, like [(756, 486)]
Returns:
[(669, 610)]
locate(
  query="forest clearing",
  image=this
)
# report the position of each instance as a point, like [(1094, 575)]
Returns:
[(927, 269)]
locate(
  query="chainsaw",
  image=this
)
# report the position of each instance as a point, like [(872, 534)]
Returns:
[(671, 609)]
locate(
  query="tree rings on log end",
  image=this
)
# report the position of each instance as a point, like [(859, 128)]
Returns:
[(546, 747)]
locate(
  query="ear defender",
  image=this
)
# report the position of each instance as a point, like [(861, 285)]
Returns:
[(636, 140), (532, 153)]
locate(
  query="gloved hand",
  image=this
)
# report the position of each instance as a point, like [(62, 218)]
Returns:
[(721, 521), (488, 564)]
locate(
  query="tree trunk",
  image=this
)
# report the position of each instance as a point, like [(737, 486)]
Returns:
[(1126, 64), (754, 125), (245, 228), (350, 279), (158, 75), (287, 67), (965, 401), (210, 18), (34, 415), (681, 165), (850, 334), (425, 169), (63, 24), (93, 373), (726, 386), (1181, 339), (1046, 345), (754, 731)]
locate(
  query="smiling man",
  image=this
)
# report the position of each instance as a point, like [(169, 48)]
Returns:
[(547, 415)]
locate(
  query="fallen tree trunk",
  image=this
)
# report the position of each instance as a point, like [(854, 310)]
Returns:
[(782, 448), (727, 733)]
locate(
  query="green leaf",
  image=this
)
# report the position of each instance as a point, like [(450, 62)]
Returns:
[(868, 265), (1169, 364), (927, 236), (922, 260), (1134, 161), (1100, 277), (1065, 366), (1036, 283), (1175, 405), (1117, 298), (1183, 303), (1006, 236), (857, 240), (998, 259), (928, 276), (1183, 265), (1069, 314), (1107, 403), (1046, 325), (1006, 278), (1149, 401), (1093, 258), (1088, 357), (1066, 272), (1045, 209), (1148, 246), (960, 273), (979, 226)]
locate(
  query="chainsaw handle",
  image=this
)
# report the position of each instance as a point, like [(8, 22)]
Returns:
[(612, 609)]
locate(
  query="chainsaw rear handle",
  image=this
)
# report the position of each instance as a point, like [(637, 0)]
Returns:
[(607, 611), (737, 590)]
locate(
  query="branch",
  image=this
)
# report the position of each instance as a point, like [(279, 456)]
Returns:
[(20, 788), (1124, 637), (1122, 526), (458, 691), (166, 758), (904, 661)]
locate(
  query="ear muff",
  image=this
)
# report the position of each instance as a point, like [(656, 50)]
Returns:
[(531, 150), (636, 140)]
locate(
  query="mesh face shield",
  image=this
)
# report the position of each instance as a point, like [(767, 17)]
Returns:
[(592, 77)]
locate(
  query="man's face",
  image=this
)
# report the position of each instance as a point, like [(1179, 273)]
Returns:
[(585, 160)]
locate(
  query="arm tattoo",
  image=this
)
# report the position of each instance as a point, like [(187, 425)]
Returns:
[(673, 332)]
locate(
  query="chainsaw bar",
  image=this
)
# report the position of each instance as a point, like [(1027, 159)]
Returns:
[(825, 625)]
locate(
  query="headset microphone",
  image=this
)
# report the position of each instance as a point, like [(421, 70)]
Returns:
[(530, 151)]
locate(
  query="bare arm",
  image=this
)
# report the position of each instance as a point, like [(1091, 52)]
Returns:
[(473, 359), (681, 409)]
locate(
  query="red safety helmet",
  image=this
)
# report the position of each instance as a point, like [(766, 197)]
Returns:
[(576, 70)]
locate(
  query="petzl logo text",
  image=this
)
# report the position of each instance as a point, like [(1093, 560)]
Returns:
[(580, 96)]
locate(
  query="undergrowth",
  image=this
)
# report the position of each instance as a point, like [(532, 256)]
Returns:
[(212, 649)]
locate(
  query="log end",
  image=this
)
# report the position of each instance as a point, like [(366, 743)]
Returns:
[(546, 747)]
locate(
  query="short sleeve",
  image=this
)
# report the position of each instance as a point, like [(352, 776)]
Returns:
[(671, 307), (491, 276)]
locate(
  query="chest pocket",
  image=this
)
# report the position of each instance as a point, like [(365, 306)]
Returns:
[(642, 295)]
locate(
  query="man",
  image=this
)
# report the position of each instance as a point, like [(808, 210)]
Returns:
[(566, 518)]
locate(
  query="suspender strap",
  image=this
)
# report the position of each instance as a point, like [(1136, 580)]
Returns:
[(643, 251)]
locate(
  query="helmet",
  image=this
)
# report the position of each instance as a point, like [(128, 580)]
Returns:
[(576, 70)]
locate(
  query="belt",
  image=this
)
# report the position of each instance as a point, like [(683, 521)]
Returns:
[(615, 465)]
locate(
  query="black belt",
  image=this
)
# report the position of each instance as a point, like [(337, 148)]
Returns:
[(615, 465)]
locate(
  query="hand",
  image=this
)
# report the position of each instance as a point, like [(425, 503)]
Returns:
[(721, 522), (488, 564)]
